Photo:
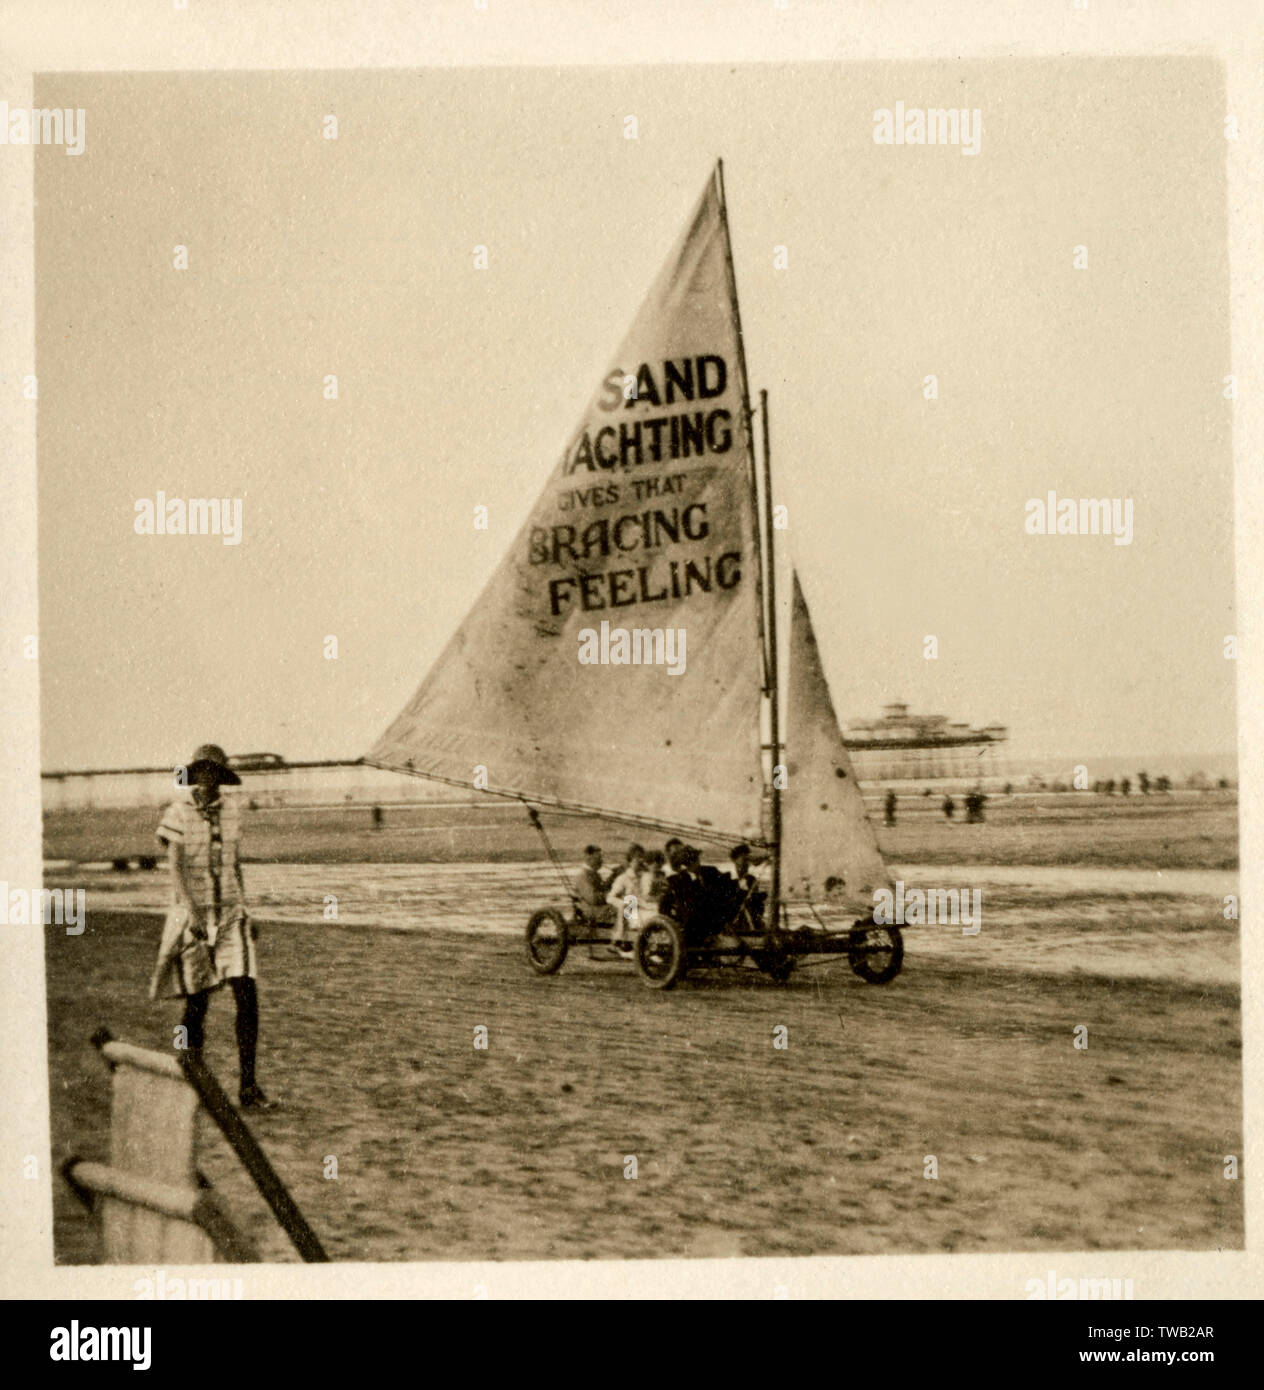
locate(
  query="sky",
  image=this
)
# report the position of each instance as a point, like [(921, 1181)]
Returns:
[(458, 386)]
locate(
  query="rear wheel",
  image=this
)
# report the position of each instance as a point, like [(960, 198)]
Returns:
[(777, 964), (660, 953), (547, 941), (875, 953)]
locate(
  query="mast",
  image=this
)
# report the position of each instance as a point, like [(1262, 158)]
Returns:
[(748, 416), (768, 613), (774, 897), (766, 591)]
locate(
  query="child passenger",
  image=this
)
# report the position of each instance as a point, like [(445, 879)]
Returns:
[(624, 897)]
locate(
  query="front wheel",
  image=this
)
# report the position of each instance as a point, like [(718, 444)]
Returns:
[(660, 953), (547, 941), (875, 953)]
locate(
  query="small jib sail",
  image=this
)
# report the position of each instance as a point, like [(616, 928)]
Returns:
[(613, 663), (829, 849)]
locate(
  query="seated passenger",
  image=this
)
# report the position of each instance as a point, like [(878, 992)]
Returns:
[(589, 889), (683, 893), (624, 896), (750, 901), (699, 897), (722, 897), (653, 882), (739, 867)]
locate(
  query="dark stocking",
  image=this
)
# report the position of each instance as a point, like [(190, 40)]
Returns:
[(247, 998), (195, 1006)]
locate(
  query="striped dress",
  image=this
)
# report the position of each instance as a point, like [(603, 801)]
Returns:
[(212, 842)]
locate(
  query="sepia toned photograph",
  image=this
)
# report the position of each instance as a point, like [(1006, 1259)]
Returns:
[(637, 662)]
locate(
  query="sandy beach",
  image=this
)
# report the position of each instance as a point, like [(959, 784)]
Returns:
[(519, 1151), (1106, 915)]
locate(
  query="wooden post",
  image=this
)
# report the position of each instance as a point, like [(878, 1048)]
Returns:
[(155, 1207), (195, 1223), (152, 1117)]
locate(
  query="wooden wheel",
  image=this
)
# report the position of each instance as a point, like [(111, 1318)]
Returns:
[(777, 965), (659, 952), (875, 953), (548, 940)]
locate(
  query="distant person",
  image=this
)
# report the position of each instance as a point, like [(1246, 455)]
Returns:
[(949, 807), (624, 896), (207, 937), (673, 851), (889, 807), (590, 888)]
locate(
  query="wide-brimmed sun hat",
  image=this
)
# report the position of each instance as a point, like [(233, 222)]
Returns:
[(210, 760)]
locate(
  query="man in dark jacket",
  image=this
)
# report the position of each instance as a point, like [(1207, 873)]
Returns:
[(699, 897), (684, 888)]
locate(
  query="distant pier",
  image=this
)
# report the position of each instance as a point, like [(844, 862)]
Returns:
[(901, 746)]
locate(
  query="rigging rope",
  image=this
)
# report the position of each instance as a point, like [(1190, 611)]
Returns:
[(553, 859)]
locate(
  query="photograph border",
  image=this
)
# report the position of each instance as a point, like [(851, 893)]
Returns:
[(65, 36)]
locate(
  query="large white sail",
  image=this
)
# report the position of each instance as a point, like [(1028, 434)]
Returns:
[(829, 850), (646, 527)]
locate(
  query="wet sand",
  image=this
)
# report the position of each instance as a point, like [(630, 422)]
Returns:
[(1163, 831), (1115, 922)]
